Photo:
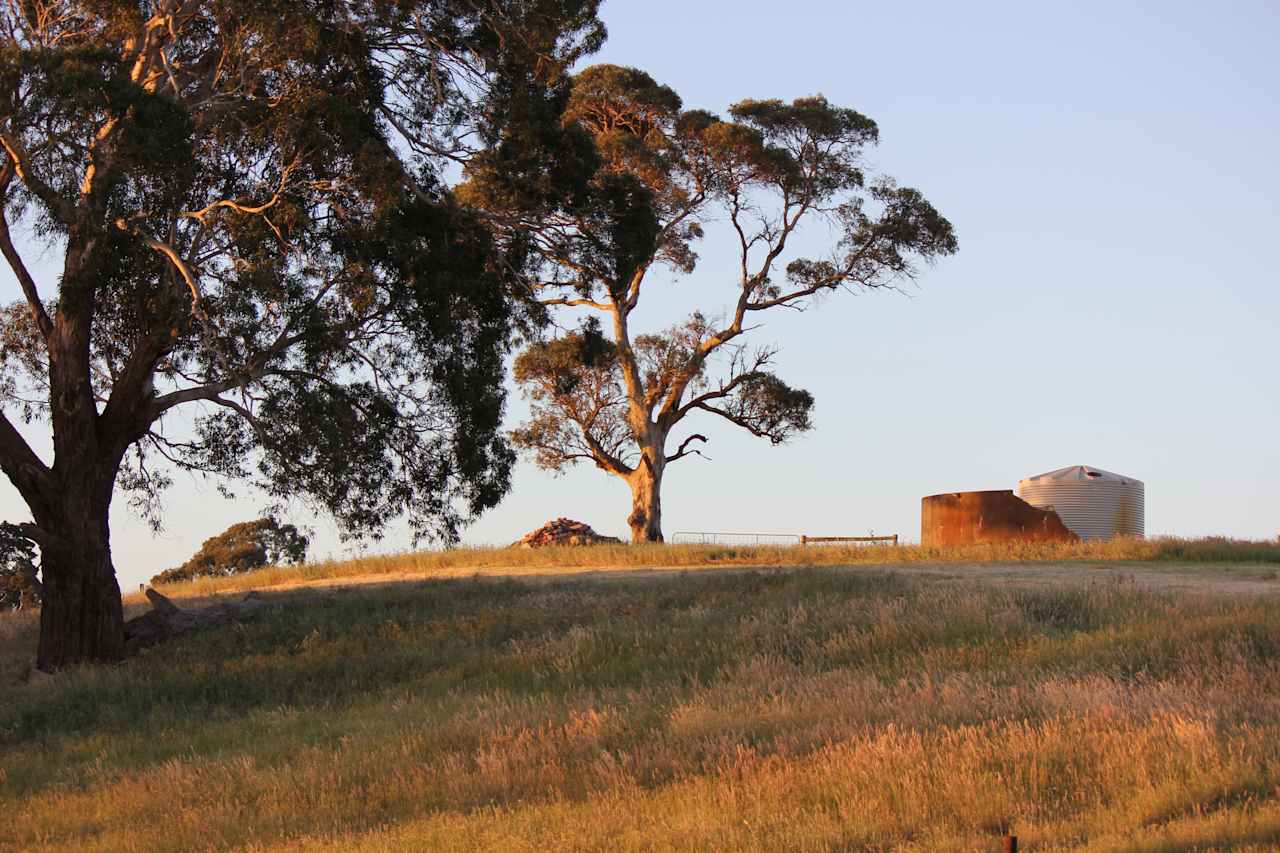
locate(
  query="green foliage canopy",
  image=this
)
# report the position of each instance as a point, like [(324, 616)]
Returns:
[(252, 204), (251, 198), (241, 548)]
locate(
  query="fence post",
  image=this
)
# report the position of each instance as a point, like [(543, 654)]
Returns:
[(895, 539), (804, 540), (1011, 844)]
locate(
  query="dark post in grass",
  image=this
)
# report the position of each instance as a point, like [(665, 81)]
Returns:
[(1011, 844)]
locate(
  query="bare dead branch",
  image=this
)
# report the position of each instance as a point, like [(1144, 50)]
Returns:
[(685, 450)]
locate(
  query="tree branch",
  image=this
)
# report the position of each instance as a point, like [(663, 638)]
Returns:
[(247, 209), (672, 412), (47, 541), (633, 289), (208, 392), (843, 274), (682, 452), (256, 368), (62, 210), (576, 303), (723, 391), (29, 475), (739, 421), (604, 458), (238, 409), (20, 271), (174, 258)]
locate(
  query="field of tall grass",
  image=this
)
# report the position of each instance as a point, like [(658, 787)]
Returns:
[(807, 709)]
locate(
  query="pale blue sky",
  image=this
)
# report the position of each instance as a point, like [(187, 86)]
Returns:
[(1112, 174)]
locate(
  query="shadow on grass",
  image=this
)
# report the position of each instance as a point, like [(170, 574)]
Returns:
[(324, 651)]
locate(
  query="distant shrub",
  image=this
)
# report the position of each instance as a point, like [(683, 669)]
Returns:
[(19, 586), (241, 548)]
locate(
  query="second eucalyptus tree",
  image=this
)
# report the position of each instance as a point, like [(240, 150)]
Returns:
[(615, 396)]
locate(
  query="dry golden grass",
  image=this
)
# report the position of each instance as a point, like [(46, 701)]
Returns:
[(558, 560), (754, 710)]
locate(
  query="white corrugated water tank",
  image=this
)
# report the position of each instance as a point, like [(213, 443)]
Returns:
[(1092, 503)]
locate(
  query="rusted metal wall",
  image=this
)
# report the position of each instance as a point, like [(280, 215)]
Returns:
[(960, 518)]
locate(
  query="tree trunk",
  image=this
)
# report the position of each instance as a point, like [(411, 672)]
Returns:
[(646, 501), (81, 615)]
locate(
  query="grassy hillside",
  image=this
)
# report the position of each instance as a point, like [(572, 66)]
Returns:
[(809, 710), (556, 560)]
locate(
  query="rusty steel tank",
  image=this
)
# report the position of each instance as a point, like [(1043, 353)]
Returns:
[(961, 518)]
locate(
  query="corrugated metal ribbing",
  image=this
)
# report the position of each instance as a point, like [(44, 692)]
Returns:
[(1092, 503)]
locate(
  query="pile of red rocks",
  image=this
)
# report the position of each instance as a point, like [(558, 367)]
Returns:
[(564, 531)]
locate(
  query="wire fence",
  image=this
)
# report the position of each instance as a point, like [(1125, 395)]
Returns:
[(699, 537), (688, 537)]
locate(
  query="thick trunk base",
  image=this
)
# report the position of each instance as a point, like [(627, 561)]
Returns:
[(646, 508), (81, 617)]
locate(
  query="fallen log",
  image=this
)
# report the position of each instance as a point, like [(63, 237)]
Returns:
[(167, 620)]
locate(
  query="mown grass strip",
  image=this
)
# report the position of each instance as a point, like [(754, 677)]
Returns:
[(559, 559)]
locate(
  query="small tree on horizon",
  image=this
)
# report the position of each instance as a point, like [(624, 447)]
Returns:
[(19, 584), (613, 396), (242, 548)]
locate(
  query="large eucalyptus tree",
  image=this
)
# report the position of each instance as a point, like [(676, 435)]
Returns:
[(249, 205), (613, 396)]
